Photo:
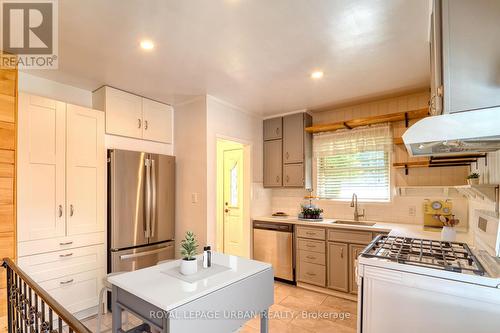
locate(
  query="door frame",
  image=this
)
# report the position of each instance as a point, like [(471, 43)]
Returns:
[(247, 181)]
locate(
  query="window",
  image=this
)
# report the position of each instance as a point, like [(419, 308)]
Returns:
[(354, 161)]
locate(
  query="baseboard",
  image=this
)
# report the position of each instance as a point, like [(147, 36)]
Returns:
[(351, 297)]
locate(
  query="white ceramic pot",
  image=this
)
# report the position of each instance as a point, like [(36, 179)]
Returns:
[(448, 234), (189, 267)]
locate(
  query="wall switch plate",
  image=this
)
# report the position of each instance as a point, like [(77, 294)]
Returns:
[(194, 197), (412, 210)]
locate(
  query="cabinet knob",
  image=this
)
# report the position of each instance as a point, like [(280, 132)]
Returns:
[(145, 124), (342, 252), (277, 179), (139, 123), (60, 211), (71, 210), (277, 130), (287, 178), (310, 274)]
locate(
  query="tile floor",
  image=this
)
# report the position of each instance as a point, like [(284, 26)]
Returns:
[(294, 310)]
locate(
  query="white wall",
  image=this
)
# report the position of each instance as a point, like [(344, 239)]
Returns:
[(230, 122), (51, 89), (191, 177)]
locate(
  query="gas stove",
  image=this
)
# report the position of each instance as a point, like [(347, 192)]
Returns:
[(449, 256)]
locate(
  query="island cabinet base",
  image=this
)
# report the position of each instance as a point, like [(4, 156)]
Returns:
[(223, 310)]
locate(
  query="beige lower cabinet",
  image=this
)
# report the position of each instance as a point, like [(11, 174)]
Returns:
[(354, 251), (338, 270), (327, 257)]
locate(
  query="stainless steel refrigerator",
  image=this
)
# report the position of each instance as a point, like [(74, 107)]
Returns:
[(141, 200)]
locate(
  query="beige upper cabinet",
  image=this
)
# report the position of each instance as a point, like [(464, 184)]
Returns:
[(273, 128), (273, 163), (293, 175), (338, 276), (134, 116), (85, 175), (296, 150), (41, 168), (293, 138), (61, 169)]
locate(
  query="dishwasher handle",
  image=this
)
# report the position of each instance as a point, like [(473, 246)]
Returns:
[(273, 226)]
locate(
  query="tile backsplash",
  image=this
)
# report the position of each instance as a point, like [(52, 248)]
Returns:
[(402, 209)]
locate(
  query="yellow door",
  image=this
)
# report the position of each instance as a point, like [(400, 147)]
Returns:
[(233, 202)]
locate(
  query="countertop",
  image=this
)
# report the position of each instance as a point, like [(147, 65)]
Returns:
[(394, 229), (167, 292)]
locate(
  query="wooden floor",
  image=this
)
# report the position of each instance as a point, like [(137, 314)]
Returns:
[(295, 310)]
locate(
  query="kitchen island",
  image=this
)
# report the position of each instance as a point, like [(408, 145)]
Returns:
[(216, 303)]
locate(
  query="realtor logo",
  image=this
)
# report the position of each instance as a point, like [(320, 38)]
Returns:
[(29, 30)]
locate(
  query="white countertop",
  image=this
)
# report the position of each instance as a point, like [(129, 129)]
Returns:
[(167, 292), (394, 229)]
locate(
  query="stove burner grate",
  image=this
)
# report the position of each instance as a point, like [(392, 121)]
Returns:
[(450, 256)]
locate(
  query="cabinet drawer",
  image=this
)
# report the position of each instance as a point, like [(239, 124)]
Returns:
[(312, 273), (53, 265), (76, 292), (309, 245), (59, 243), (312, 257), (361, 237), (312, 233)]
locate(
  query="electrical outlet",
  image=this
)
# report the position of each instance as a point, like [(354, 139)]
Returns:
[(412, 211), (194, 197)]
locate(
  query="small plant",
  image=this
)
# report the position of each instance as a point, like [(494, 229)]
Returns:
[(473, 176), (189, 246), (311, 212)]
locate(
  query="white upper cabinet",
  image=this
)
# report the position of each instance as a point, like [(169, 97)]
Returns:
[(61, 169), (85, 175), (41, 168), (157, 121), (133, 116)]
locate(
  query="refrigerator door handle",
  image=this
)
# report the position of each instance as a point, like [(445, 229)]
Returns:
[(153, 198), (145, 253), (147, 199)]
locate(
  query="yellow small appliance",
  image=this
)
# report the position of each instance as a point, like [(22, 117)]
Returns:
[(433, 209)]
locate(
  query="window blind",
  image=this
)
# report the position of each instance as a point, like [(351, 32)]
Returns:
[(354, 161)]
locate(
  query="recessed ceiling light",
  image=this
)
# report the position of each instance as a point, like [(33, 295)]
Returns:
[(147, 44), (317, 75)]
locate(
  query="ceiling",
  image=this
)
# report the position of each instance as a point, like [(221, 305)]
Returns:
[(255, 54)]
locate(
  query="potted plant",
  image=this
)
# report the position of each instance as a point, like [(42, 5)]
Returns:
[(473, 179), (189, 264), (316, 213)]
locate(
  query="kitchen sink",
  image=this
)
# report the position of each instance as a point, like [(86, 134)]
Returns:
[(368, 224)]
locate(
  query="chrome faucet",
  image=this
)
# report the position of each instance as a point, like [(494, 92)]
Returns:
[(354, 203)]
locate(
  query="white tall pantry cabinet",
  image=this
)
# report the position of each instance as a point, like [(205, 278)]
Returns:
[(61, 200)]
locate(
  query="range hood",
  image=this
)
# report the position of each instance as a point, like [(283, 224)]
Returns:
[(459, 133)]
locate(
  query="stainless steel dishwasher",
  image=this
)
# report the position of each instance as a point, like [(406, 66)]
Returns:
[(273, 243)]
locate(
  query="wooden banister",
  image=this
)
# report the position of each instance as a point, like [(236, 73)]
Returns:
[(30, 308)]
